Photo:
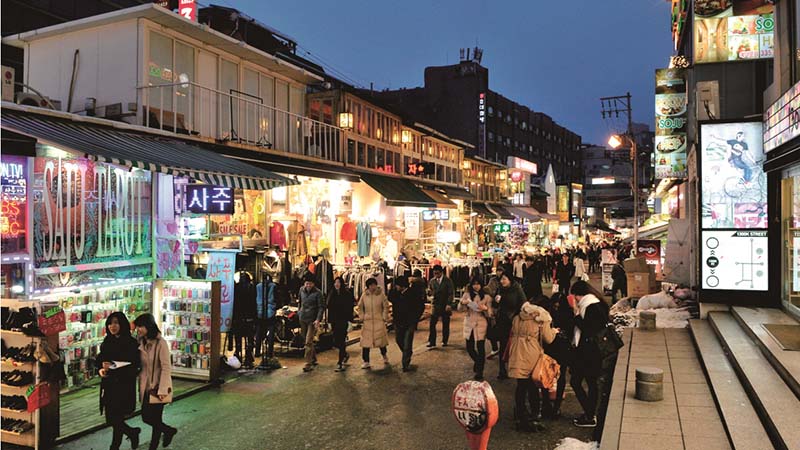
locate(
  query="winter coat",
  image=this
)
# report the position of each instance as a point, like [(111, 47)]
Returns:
[(374, 311), (511, 300), (155, 351), (340, 305), (443, 293), (588, 360), (244, 303), (118, 388), (492, 286), (311, 305), (532, 281), (475, 321), (580, 267), (524, 348), (564, 274), (266, 290), (408, 306)]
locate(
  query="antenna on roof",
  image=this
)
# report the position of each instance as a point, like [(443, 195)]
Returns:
[(477, 55)]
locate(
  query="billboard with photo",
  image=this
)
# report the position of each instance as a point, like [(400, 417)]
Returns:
[(733, 30), (733, 183), (671, 121)]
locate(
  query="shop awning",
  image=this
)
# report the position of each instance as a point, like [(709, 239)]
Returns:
[(655, 231), (482, 210), (398, 191), (288, 166), (500, 211), (458, 193), (440, 199), (111, 143), (537, 192), (525, 213)]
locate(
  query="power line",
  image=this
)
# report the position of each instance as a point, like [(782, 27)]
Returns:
[(331, 67)]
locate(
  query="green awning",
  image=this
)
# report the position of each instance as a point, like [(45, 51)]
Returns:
[(398, 191)]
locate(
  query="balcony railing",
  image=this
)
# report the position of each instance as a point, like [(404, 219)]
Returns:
[(188, 108)]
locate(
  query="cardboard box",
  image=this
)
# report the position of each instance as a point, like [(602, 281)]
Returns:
[(635, 265), (640, 284)]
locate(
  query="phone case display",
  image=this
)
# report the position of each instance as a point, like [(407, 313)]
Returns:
[(86, 314), (187, 312)]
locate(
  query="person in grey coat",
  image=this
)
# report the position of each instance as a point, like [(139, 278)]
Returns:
[(312, 307), (443, 293)]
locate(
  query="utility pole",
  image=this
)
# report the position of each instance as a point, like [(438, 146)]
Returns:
[(612, 107)]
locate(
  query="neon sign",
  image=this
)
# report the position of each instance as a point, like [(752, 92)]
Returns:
[(13, 204), (205, 199)]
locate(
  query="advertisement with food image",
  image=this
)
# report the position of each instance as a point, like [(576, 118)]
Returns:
[(733, 186), (733, 30), (671, 122)]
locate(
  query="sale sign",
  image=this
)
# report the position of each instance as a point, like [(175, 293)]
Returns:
[(53, 321)]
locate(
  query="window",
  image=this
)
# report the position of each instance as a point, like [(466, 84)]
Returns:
[(490, 136), (351, 152), (229, 81), (524, 125), (398, 168), (499, 114), (362, 156), (490, 111), (381, 158), (370, 156)]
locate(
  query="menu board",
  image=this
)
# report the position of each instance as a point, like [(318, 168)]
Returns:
[(734, 260), (733, 30), (671, 121)]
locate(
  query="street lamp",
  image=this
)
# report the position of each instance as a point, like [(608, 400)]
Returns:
[(615, 141)]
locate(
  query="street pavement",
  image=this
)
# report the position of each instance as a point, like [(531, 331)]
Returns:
[(354, 410)]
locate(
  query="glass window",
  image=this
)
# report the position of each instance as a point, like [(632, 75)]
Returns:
[(281, 118), (250, 106), (184, 68), (398, 168), (371, 157), (790, 224), (362, 154), (159, 71), (351, 152), (297, 101), (381, 158), (229, 81)]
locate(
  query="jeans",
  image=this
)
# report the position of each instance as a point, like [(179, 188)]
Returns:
[(445, 327), (479, 356), (152, 415), (588, 399), (404, 336), (740, 164), (340, 339), (120, 429), (526, 390), (365, 353), (308, 330)]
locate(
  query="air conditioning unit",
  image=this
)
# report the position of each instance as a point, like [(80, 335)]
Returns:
[(8, 84), (30, 99)]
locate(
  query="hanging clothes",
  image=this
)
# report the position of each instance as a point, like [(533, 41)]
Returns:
[(364, 233), (277, 235), (297, 239), (323, 276), (348, 232)]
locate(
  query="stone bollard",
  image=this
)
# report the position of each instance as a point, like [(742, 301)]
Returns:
[(647, 320), (649, 384)]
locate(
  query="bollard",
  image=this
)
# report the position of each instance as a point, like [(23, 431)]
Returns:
[(475, 407), (647, 320), (649, 384)]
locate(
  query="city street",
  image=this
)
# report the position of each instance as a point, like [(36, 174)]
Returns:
[(355, 410)]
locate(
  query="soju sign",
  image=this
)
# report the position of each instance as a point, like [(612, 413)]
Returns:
[(501, 228)]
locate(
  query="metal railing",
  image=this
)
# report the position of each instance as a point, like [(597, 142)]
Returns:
[(189, 108)]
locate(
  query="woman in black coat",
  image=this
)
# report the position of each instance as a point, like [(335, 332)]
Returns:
[(560, 349), (340, 314), (118, 384)]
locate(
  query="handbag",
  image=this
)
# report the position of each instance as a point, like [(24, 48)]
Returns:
[(546, 371), (608, 341), (152, 394)]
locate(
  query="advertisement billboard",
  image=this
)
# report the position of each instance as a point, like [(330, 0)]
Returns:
[(733, 30), (734, 260), (733, 183), (563, 202), (671, 120)]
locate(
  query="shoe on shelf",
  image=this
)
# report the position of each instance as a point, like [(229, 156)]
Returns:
[(365, 365), (585, 422)]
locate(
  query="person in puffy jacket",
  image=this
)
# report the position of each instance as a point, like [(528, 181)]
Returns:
[(312, 308), (478, 306), (266, 307), (373, 308), (340, 314), (530, 330)]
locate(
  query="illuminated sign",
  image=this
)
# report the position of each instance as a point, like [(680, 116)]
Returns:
[(782, 119), (651, 250), (671, 120), (420, 169), (734, 260), (207, 199), (604, 180), (13, 204), (435, 214), (482, 107), (522, 164), (517, 176), (733, 30), (482, 124), (501, 228)]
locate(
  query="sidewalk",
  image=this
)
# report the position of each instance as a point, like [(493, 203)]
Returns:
[(687, 418)]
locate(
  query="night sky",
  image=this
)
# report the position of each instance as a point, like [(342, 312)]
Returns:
[(554, 58)]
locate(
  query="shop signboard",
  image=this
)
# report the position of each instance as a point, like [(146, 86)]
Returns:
[(733, 183), (523, 165), (435, 214), (734, 260), (222, 266), (411, 221), (671, 123), (502, 228), (562, 196), (14, 207), (482, 124), (420, 168), (782, 119), (651, 250), (208, 199), (733, 30)]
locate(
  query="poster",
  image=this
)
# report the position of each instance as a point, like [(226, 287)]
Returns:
[(733, 30), (412, 224), (222, 266), (734, 260), (651, 250), (169, 257), (671, 120), (733, 183)]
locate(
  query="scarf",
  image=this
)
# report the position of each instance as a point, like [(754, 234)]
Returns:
[(586, 301)]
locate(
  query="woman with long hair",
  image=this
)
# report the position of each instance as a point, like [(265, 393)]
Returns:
[(340, 313), (477, 304), (119, 365), (155, 379)]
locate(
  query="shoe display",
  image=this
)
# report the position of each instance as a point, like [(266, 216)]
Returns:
[(19, 354), (17, 378), (18, 426), (15, 402)]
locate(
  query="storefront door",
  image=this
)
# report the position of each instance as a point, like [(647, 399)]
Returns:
[(790, 230)]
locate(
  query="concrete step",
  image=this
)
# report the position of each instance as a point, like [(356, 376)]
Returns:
[(741, 420), (785, 362), (776, 404)]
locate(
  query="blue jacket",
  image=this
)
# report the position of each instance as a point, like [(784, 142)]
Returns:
[(271, 305)]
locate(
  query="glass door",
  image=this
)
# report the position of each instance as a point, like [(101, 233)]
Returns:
[(790, 231)]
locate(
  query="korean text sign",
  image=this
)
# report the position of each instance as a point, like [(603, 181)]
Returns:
[(207, 199), (671, 121)]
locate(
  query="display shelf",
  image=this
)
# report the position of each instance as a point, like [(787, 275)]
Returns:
[(11, 364), (27, 439), (15, 388), (15, 411)]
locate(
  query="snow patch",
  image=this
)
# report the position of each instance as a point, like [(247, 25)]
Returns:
[(575, 444)]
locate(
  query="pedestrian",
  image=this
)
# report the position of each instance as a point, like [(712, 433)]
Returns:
[(580, 265), (408, 304), (477, 304), (530, 329), (340, 314), (443, 291), (118, 383), (519, 267), (508, 302), (532, 279), (564, 273), (619, 281), (560, 350), (312, 308), (373, 308), (266, 307), (591, 316), (155, 379), (492, 288), (547, 261)]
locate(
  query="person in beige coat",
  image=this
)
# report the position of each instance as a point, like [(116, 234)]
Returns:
[(530, 329), (373, 308), (477, 304), (155, 379)]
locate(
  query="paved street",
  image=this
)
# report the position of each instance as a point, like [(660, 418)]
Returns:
[(358, 409)]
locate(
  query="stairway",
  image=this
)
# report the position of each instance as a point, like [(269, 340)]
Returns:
[(756, 384)]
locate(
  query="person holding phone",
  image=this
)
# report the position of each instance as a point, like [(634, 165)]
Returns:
[(119, 365), (155, 379), (477, 304)]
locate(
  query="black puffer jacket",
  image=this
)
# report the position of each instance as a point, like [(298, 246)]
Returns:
[(118, 389)]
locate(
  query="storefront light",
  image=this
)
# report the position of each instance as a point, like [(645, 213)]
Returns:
[(346, 120), (406, 136)]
